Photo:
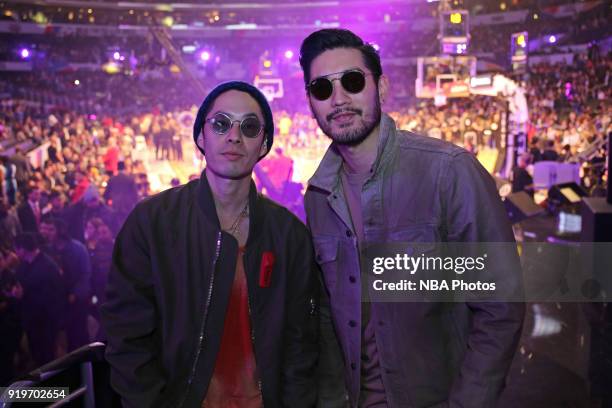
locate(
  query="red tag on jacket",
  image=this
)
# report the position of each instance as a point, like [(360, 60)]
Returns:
[(265, 270)]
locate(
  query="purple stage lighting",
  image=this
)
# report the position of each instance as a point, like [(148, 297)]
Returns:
[(288, 54), (25, 53), (205, 56), (376, 46), (552, 39), (116, 56)]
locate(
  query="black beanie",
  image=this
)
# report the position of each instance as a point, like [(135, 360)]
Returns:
[(243, 87)]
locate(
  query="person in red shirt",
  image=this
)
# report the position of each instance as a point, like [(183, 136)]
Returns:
[(111, 157)]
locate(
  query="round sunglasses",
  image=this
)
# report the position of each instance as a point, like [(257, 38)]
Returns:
[(353, 81), (221, 123)]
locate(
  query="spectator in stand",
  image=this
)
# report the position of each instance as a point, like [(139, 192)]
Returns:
[(41, 292), (89, 206), (10, 316), (534, 151), (55, 150), (521, 179), (100, 246), (73, 259), (121, 193), (56, 205), (23, 167), (550, 154), (9, 182), (29, 211), (10, 226), (111, 158)]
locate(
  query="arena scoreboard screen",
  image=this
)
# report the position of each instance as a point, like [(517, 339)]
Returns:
[(454, 32)]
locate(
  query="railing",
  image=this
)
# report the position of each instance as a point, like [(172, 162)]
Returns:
[(84, 371)]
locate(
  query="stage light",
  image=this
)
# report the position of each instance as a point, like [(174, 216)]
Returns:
[(520, 40), (552, 39), (111, 68), (25, 53), (77, 82), (116, 56), (502, 6), (189, 49), (40, 18), (455, 18), (494, 126), (205, 56), (267, 64), (376, 46), (535, 16), (288, 54), (168, 21)]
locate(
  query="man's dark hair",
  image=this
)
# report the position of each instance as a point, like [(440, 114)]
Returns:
[(331, 38), (60, 226), (29, 241), (54, 194), (27, 190)]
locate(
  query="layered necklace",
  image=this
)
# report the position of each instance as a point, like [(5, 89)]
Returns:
[(236, 224)]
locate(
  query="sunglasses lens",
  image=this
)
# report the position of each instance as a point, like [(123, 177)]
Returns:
[(221, 124), (250, 127), (353, 81), (321, 88)]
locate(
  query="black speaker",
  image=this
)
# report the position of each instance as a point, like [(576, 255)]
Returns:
[(566, 194), (596, 220), (520, 206)]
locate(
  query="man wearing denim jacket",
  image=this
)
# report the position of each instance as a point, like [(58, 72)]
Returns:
[(377, 184)]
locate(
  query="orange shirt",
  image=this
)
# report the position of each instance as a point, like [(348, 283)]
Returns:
[(234, 383)]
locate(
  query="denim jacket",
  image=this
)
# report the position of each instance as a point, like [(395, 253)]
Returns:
[(432, 354)]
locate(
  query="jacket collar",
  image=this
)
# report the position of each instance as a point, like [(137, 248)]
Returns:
[(327, 174), (206, 203)]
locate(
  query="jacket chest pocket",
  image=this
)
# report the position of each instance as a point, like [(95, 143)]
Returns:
[(326, 255)]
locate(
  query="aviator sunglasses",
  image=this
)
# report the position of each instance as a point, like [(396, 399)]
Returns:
[(353, 81), (250, 126)]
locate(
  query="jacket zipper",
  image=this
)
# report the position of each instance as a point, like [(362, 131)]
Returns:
[(203, 325), (259, 381)]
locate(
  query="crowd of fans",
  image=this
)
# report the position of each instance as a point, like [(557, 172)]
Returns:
[(58, 221)]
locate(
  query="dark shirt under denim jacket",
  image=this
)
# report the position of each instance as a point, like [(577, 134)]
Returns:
[(431, 354)]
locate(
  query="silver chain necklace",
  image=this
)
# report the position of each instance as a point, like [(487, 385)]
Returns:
[(234, 228)]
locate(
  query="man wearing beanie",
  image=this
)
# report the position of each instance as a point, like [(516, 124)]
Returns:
[(210, 300)]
